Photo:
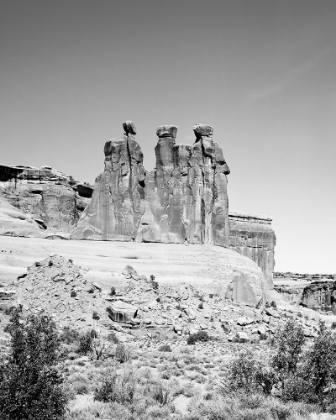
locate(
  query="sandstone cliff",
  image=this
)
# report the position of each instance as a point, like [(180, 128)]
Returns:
[(13, 222), (52, 198), (254, 237), (320, 295), (183, 200)]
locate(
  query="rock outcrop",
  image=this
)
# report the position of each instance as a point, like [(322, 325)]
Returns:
[(254, 237), (320, 295), (118, 200), (48, 196), (13, 222), (183, 200)]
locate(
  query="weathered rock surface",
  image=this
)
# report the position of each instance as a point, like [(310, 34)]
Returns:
[(45, 194), (316, 288), (253, 237), (118, 200), (183, 200), (13, 222), (320, 295), (210, 269)]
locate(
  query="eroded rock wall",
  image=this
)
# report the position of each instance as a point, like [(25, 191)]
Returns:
[(47, 195), (187, 192), (254, 237), (183, 200), (320, 295), (118, 200)]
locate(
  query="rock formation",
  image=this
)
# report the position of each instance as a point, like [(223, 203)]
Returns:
[(118, 200), (13, 222), (320, 295), (253, 237), (183, 200), (49, 196)]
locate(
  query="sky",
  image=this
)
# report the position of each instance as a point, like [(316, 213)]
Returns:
[(261, 72)]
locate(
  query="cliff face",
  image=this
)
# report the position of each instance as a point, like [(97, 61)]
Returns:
[(253, 237), (183, 200), (118, 200), (320, 295), (47, 195)]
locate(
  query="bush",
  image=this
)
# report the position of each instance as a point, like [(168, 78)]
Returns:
[(288, 342), (122, 354), (86, 341), (95, 315), (69, 336), (155, 284), (30, 386), (112, 338), (161, 394), (165, 347), (116, 388), (320, 369), (202, 336)]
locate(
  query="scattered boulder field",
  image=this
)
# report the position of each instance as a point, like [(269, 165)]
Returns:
[(140, 307)]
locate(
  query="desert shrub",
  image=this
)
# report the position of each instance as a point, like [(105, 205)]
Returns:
[(161, 394), (69, 336), (117, 388), (288, 343), (30, 385), (112, 338), (153, 282), (202, 336), (247, 374), (10, 310), (86, 341), (122, 353), (165, 347), (320, 369), (95, 315)]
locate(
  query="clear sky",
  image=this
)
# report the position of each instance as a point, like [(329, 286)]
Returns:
[(261, 72)]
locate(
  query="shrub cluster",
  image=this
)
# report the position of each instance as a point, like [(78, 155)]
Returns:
[(292, 373), (199, 336), (30, 385)]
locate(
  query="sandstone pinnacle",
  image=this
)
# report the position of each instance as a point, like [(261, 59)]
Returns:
[(129, 127), (166, 131), (201, 130)]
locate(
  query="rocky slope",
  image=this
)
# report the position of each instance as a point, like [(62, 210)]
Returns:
[(213, 270), (58, 287), (52, 198)]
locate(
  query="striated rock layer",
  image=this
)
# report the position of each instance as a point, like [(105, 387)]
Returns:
[(254, 237), (320, 295), (48, 196), (183, 200), (13, 222)]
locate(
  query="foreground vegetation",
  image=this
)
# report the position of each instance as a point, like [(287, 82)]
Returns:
[(47, 375)]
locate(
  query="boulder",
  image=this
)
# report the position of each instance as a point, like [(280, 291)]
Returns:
[(122, 312), (245, 289), (245, 320), (166, 131), (129, 127), (201, 130)]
